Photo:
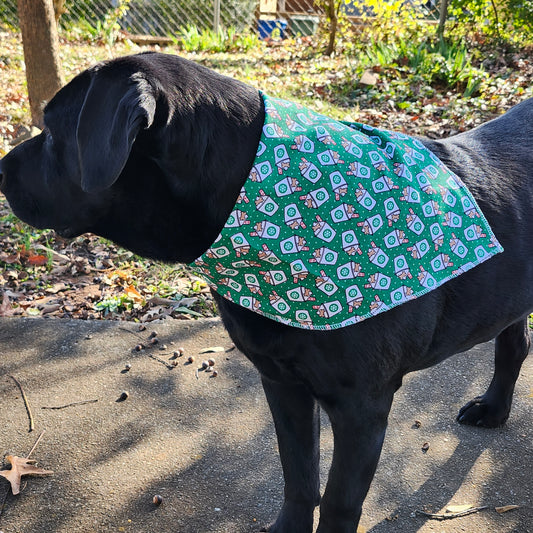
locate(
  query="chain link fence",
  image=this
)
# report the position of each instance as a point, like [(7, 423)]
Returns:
[(171, 17)]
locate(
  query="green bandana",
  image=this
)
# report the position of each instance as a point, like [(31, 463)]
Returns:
[(338, 222)]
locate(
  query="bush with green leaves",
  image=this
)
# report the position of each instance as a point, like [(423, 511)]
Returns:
[(8, 13), (439, 64), (191, 39), (509, 20)]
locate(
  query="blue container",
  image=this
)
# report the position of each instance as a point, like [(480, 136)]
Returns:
[(266, 27)]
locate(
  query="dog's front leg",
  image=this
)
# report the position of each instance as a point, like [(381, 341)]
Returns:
[(359, 422), (296, 417)]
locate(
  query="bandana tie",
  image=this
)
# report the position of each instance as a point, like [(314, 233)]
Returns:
[(340, 221)]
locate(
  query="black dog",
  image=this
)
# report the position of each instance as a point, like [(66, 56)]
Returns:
[(179, 140)]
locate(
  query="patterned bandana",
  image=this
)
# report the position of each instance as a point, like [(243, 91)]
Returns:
[(339, 221)]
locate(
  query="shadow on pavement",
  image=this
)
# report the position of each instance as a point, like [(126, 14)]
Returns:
[(207, 445)]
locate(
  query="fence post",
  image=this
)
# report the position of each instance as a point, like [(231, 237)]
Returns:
[(216, 17)]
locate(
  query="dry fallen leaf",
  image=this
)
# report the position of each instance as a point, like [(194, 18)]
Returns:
[(155, 313), (37, 259), (458, 508), (187, 302), (212, 349), (21, 466), (506, 508), (133, 293), (10, 258), (5, 306)]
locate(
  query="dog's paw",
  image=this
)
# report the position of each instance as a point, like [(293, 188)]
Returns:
[(293, 518), (481, 412), (281, 527)]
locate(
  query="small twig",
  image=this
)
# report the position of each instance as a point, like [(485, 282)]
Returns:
[(26, 403), (448, 516), (132, 332), (162, 361), (70, 404), (36, 443)]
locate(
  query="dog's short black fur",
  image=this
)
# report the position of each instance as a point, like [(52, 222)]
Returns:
[(151, 151)]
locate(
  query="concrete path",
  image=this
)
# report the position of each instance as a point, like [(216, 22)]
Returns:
[(207, 446)]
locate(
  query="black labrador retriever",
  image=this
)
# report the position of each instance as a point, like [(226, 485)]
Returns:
[(160, 132)]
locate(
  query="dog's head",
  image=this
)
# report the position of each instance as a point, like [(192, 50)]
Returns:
[(136, 149), (57, 179)]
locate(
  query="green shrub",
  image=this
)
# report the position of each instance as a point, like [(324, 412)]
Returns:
[(438, 63), (508, 20), (191, 39)]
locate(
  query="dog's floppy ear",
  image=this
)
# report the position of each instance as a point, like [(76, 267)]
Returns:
[(111, 116)]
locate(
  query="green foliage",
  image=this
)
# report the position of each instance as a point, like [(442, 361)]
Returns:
[(110, 27), (106, 28), (442, 65), (8, 13), (447, 64), (191, 39), (115, 304), (395, 39), (509, 20), (390, 21)]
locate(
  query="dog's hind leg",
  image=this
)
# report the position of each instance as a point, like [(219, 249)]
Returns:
[(296, 418), (359, 421), (492, 409)]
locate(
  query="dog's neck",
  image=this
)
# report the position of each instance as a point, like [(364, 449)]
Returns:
[(213, 156)]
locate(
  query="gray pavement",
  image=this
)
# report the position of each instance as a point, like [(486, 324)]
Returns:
[(207, 446)]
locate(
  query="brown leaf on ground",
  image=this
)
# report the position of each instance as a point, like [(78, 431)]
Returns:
[(506, 508), (212, 349), (21, 466), (5, 306), (37, 259)]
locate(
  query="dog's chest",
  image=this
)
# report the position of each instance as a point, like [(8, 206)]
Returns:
[(338, 222)]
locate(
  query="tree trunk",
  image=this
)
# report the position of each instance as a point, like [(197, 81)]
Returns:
[(443, 16), (41, 44), (331, 15)]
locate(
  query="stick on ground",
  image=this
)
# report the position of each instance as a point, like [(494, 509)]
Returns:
[(449, 516), (26, 403), (83, 402)]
